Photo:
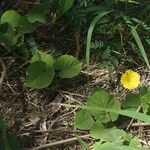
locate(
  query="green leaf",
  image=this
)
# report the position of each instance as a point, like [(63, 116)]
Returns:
[(83, 144), (113, 135), (65, 5), (102, 99), (38, 14), (111, 146), (39, 75), (25, 26), (145, 103), (41, 56), (10, 38), (140, 46), (12, 17), (135, 142), (5, 138), (129, 113), (90, 32), (132, 101), (96, 130), (83, 120), (68, 66)]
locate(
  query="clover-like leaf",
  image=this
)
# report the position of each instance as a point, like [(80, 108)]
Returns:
[(41, 56), (39, 75), (37, 14), (96, 130), (103, 100), (68, 66), (83, 120), (12, 17)]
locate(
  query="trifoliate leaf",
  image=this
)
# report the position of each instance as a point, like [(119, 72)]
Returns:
[(68, 66), (12, 17), (83, 120), (39, 75)]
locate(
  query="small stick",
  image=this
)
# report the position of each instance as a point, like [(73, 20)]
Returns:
[(60, 142), (3, 73)]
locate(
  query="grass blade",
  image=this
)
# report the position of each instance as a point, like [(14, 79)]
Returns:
[(128, 113), (89, 35), (140, 46)]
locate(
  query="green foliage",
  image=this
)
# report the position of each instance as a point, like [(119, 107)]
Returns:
[(39, 75), (7, 140), (102, 99), (65, 5), (84, 120), (12, 17), (140, 46), (133, 101), (41, 71), (68, 66), (37, 14), (90, 31), (93, 117)]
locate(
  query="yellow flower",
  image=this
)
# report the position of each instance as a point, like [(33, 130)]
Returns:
[(130, 79)]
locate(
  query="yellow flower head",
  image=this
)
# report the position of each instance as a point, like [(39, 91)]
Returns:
[(130, 80)]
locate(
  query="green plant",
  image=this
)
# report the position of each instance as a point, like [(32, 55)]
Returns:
[(41, 71), (102, 109), (14, 26), (7, 140)]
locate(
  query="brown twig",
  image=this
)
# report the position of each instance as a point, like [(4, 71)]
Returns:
[(3, 73), (60, 142)]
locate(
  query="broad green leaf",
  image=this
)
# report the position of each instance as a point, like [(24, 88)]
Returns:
[(65, 5), (39, 75), (83, 120), (38, 14), (68, 66), (111, 146), (41, 56), (90, 32), (96, 130), (102, 99), (12, 17), (25, 26), (83, 144), (113, 135), (132, 101), (140, 46)]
